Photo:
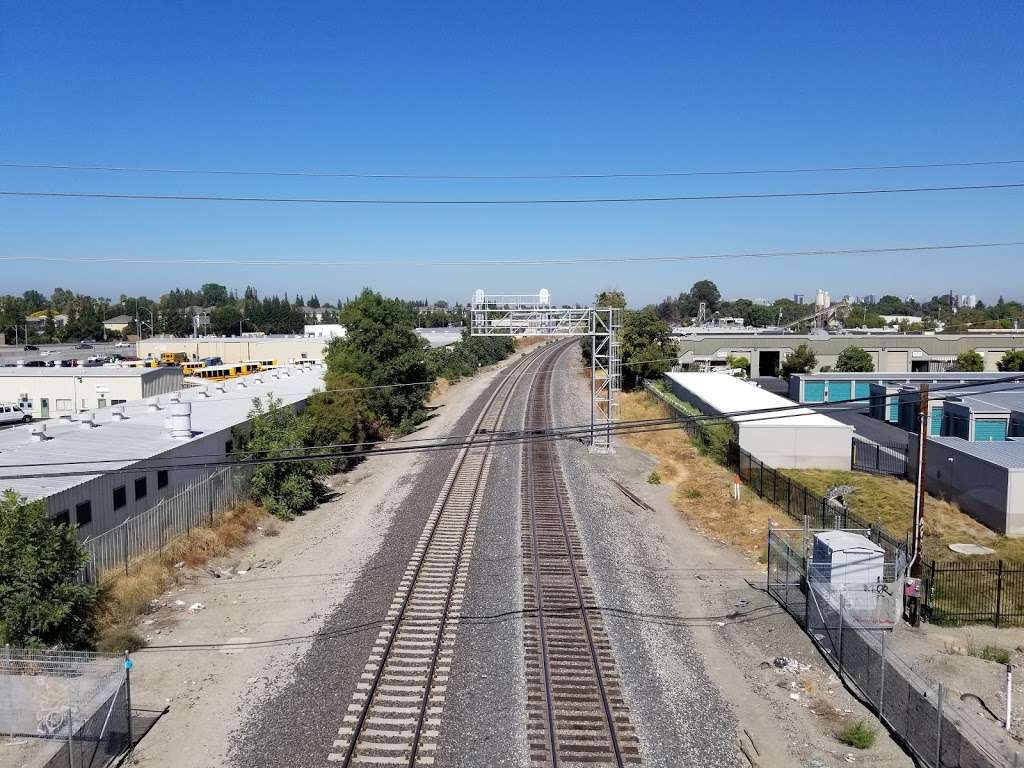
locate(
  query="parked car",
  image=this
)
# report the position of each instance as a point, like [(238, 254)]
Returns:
[(31, 348), (67, 363), (122, 344), (35, 364), (12, 413), (84, 345)]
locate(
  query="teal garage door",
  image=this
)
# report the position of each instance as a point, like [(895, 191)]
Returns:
[(839, 390), (814, 391), (862, 390), (894, 410), (936, 427), (989, 429)]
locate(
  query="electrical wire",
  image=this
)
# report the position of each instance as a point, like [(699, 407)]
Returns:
[(508, 262), (477, 440), (503, 177), (496, 202)]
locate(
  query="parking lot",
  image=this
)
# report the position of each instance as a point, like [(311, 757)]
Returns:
[(10, 354)]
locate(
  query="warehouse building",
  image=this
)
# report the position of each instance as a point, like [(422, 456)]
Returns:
[(48, 393), (833, 386), (896, 352), (236, 349), (783, 437), (985, 479), (133, 455), (991, 416)]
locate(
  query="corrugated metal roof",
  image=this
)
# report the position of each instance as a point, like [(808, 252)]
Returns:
[(142, 436), (727, 394), (1004, 453), (93, 372)]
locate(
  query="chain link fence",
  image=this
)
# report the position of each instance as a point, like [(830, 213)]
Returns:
[(64, 709), (850, 622), (197, 504)]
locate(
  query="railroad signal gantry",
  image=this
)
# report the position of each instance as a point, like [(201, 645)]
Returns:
[(534, 315)]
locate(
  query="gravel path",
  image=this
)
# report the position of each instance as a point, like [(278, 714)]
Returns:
[(677, 711)]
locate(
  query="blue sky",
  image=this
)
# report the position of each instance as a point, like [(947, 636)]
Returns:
[(512, 89)]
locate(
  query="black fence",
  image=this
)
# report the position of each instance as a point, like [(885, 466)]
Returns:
[(879, 458), (803, 505), (987, 592)]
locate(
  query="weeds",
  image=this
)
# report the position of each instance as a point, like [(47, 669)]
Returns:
[(989, 653), (859, 735), (654, 478), (123, 597)]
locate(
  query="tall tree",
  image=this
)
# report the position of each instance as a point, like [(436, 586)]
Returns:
[(800, 360), (853, 359), (381, 347)]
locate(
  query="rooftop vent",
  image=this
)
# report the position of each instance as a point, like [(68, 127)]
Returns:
[(87, 420), (242, 384), (203, 392), (181, 421), (117, 413), (37, 433), (153, 404), (221, 388), (175, 397), (65, 418)]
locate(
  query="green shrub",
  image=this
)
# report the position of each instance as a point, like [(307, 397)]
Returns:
[(859, 735), (284, 488), (41, 601), (693, 493), (654, 478)]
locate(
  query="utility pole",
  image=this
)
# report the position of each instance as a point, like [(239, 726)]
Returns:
[(916, 564)]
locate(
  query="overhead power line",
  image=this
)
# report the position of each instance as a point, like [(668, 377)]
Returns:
[(509, 262), (504, 177), (499, 201), (504, 437)]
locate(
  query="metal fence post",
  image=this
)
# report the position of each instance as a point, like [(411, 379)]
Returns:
[(999, 591), (842, 606), (938, 730), (881, 683), (128, 700), (125, 546)]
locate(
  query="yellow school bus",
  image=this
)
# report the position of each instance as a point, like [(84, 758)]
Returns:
[(173, 358), (262, 365), (148, 363), (189, 368)]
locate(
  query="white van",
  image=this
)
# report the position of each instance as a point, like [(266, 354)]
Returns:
[(10, 413)]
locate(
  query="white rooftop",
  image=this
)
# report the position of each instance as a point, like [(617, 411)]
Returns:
[(90, 372), (726, 394), (142, 436)]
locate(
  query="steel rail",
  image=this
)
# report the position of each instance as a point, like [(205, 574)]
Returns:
[(538, 468), (505, 390)]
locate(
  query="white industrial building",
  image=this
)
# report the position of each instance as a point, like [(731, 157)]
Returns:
[(236, 349), (49, 393), (126, 458), (784, 436)]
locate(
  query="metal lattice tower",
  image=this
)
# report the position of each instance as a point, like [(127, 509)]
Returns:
[(533, 315)]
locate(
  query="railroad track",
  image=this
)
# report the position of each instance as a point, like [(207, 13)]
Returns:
[(575, 711), (394, 715)]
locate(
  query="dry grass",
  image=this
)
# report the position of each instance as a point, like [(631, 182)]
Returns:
[(702, 488), (438, 391), (125, 597), (889, 502)]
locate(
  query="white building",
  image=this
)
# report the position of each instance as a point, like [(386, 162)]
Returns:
[(324, 331), (133, 455), (782, 436), (51, 392)]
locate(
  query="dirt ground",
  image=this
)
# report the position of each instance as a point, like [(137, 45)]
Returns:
[(209, 661)]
